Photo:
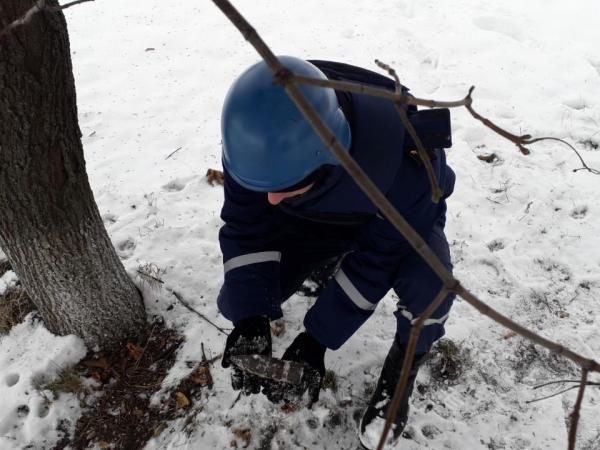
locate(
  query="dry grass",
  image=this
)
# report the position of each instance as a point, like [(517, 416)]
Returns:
[(150, 275), (67, 381), (118, 413), (15, 304), (4, 267)]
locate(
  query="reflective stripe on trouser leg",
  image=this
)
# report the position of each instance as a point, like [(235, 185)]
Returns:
[(250, 258), (353, 293), (417, 286), (409, 316)]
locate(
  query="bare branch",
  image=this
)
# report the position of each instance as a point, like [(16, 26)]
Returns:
[(576, 411), (467, 102), (554, 347), (535, 400), (40, 5), (358, 88), (400, 106), (517, 140), (549, 383), (286, 78), (289, 81)]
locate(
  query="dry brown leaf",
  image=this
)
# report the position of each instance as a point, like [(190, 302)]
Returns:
[(215, 176), (243, 434), (490, 158), (159, 429), (182, 400), (289, 408), (99, 363), (96, 376), (202, 376), (103, 444), (135, 351), (277, 327)]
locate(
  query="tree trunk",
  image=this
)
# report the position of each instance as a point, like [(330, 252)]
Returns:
[(50, 227)]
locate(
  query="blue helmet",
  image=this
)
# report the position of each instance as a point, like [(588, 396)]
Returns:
[(267, 144)]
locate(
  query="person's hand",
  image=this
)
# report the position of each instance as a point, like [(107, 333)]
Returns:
[(307, 350), (250, 336)]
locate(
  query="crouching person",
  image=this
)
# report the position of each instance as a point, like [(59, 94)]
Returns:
[(291, 211)]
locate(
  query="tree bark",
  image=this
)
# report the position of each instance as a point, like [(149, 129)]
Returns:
[(50, 227)]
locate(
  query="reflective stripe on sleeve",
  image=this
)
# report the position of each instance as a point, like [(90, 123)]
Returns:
[(351, 291), (408, 315), (251, 258)]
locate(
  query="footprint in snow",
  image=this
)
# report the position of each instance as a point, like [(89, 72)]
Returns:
[(495, 245), (12, 379), (576, 103), (430, 62), (22, 411), (177, 184), (579, 212), (125, 248)]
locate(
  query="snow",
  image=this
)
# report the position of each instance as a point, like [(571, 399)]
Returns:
[(29, 356), (8, 280), (523, 230)]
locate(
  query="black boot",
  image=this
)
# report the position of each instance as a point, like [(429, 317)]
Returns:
[(382, 397)]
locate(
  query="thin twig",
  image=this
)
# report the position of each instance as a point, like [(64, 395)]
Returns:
[(199, 314), (400, 106), (172, 153), (40, 5), (147, 275), (145, 347), (576, 411), (409, 357), (539, 399), (66, 5), (585, 166), (549, 383), (582, 361)]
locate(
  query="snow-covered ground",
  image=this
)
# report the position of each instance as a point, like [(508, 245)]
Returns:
[(524, 231)]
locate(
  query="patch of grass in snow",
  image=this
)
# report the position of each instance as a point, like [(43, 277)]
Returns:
[(590, 144), (448, 360), (330, 380), (15, 304), (150, 275), (4, 267), (540, 364), (68, 381)]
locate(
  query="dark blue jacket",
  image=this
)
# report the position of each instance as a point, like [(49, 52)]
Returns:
[(248, 238)]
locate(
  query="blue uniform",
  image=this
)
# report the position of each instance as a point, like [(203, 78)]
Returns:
[(269, 250)]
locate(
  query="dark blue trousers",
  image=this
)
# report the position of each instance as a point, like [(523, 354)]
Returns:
[(306, 246)]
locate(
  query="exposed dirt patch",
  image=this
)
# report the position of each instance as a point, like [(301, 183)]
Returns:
[(118, 414)]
